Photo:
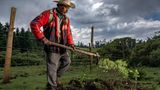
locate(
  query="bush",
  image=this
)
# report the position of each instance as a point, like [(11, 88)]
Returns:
[(27, 58), (119, 66), (22, 59), (155, 58), (2, 58), (142, 74)]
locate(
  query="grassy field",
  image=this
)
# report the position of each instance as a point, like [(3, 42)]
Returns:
[(34, 78), (152, 76)]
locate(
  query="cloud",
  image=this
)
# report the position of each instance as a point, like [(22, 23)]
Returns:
[(96, 6), (110, 18), (26, 10), (118, 18), (81, 35)]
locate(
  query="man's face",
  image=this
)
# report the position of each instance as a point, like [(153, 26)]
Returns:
[(63, 9)]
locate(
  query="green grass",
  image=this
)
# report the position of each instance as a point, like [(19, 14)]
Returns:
[(152, 76), (28, 83), (25, 78), (34, 77)]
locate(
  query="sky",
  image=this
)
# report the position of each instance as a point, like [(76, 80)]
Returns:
[(112, 19)]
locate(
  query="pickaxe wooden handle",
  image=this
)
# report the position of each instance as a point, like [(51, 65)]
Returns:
[(77, 50)]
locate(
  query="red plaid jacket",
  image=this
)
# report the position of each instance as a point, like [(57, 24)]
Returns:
[(42, 21)]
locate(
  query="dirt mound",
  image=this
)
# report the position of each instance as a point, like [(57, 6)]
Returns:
[(99, 84)]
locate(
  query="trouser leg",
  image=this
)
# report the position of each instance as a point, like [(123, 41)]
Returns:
[(57, 64), (64, 64), (52, 67)]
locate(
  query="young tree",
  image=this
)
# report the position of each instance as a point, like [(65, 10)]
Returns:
[(3, 35), (118, 48), (146, 53)]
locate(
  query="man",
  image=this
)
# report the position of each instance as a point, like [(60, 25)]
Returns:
[(56, 28)]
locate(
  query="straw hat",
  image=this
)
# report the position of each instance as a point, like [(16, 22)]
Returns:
[(65, 2)]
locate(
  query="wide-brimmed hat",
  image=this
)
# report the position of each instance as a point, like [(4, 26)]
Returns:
[(65, 2)]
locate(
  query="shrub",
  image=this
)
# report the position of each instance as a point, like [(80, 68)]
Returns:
[(2, 58), (119, 66), (27, 58), (21, 59), (155, 58)]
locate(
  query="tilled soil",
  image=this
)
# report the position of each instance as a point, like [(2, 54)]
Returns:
[(99, 84)]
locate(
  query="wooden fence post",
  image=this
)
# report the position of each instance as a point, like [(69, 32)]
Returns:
[(91, 46), (7, 65)]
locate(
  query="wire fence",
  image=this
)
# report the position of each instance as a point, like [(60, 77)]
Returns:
[(28, 53), (37, 57), (23, 55)]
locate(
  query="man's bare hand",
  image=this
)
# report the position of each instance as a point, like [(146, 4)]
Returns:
[(46, 41), (73, 47)]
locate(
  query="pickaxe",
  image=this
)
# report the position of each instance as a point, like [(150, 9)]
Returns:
[(78, 50)]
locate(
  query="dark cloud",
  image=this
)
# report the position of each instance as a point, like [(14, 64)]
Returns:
[(131, 9), (111, 18), (26, 10)]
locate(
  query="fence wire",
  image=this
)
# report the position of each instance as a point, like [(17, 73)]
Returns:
[(28, 55)]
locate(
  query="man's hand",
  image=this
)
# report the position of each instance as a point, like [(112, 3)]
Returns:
[(46, 41), (73, 47)]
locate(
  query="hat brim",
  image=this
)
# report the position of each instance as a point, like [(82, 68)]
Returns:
[(71, 5)]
